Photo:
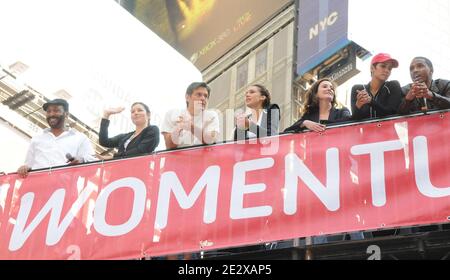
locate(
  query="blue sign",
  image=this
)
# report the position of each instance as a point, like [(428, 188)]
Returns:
[(322, 31)]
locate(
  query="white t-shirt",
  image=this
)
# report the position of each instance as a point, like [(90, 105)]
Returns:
[(47, 150), (208, 121)]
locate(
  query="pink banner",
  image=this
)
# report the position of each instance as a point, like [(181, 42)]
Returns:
[(360, 177)]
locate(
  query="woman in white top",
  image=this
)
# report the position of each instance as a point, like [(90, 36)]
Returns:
[(261, 119)]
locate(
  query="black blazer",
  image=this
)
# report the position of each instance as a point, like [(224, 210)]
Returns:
[(385, 103), (270, 121), (336, 116), (146, 142)]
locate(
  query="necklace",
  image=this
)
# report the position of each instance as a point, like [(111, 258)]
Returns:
[(373, 91), (136, 133)]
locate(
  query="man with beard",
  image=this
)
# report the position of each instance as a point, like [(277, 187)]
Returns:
[(424, 93), (57, 145)]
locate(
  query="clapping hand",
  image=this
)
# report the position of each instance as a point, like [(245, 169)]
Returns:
[(184, 123), (242, 121), (208, 122), (420, 90)]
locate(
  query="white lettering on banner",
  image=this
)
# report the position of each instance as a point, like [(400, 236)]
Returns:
[(296, 168), (376, 152), (327, 21), (3, 194), (422, 171), (170, 182), (239, 189), (55, 204), (140, 195)]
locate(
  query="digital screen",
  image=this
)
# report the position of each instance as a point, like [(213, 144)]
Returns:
[(204, 30)]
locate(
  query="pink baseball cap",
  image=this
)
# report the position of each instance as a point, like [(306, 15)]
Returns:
[(384, 57)]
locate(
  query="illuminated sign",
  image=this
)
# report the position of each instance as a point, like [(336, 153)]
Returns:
[(204, 30)]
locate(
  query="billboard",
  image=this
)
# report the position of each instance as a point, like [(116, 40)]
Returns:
[(369, 176), (204, 30), (343, 69), (322, 31)]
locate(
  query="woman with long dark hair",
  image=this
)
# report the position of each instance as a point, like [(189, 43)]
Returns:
[(262, 117), (320, 108), (143, 140)]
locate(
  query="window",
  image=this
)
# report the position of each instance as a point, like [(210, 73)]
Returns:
[(261, 62), (242, 75)]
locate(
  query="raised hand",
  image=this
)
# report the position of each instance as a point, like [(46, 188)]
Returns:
[(111, 111)]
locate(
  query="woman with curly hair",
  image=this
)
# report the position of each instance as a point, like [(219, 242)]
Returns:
[(320, 108)]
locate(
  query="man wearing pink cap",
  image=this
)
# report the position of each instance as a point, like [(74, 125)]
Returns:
[(425, 93), (380, 97)]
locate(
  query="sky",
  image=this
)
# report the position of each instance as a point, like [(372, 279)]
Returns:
[(96, 51)]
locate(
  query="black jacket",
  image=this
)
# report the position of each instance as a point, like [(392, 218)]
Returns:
[(384, 103), (441, 98), (146, 142), (269, 124), (336, 116)]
